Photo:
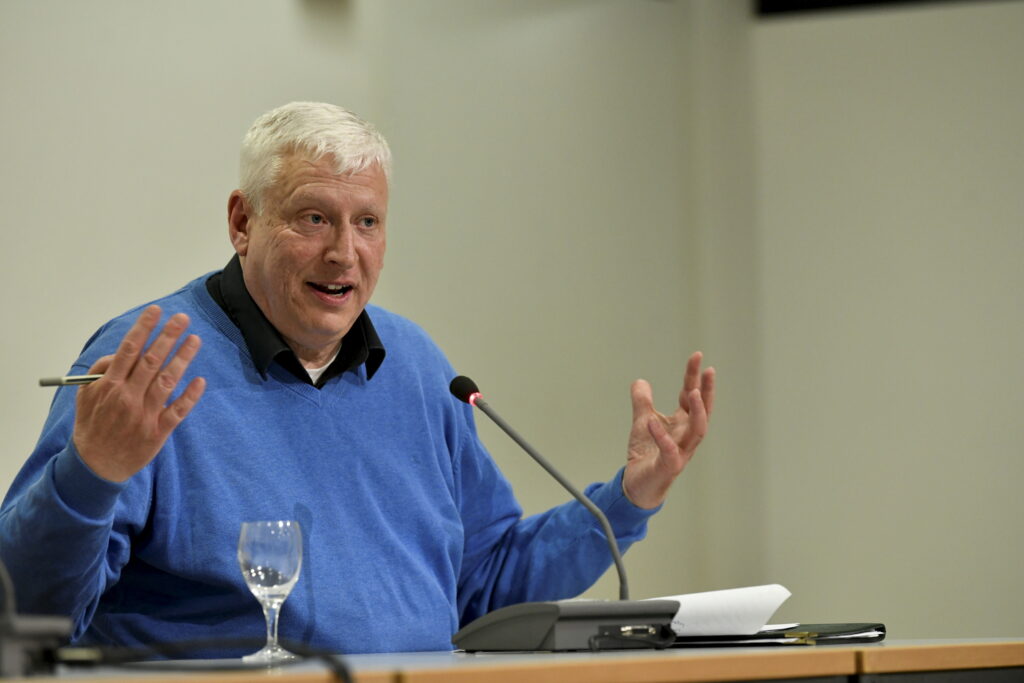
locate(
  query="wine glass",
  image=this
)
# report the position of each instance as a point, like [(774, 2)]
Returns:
[(270, 555)]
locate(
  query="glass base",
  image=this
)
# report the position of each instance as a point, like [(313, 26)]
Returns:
[(269, 655)]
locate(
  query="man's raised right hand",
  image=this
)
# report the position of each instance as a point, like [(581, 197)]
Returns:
[(123, 419)]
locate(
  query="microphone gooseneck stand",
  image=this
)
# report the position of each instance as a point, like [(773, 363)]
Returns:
[(565, 625)]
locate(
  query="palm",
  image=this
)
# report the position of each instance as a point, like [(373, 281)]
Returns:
[(661, 445)]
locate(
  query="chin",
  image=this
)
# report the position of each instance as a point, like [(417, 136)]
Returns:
[(330, 332)]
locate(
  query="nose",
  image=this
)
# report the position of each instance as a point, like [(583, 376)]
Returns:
[(341, 247)]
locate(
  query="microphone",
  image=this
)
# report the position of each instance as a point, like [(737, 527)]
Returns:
[(465, 389), (565, 625)]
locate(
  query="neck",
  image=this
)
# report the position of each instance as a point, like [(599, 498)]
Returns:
[(314, 357)]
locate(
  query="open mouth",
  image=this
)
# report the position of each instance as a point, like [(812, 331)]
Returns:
[(331, 290)]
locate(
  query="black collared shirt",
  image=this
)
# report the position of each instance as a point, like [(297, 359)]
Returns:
[(266, 345)]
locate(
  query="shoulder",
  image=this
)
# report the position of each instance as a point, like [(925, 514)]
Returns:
[(416, 371), (396, 331), (106, 339), (409, 350)]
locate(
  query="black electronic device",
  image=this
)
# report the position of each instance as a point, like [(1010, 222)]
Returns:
[(28, 642), (572, 625)]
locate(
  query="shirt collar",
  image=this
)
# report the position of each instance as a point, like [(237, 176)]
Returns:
[(361, 344)]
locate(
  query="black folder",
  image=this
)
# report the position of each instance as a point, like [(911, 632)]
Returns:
[(801, 634)]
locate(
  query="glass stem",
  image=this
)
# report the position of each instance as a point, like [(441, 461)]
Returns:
[(270, 611)]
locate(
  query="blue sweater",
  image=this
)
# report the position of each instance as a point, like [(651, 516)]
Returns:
[(409, 528)]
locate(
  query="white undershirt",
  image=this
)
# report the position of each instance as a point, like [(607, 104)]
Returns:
[(314, 373)]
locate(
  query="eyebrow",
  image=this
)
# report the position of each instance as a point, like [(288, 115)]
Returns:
[(312, 197)]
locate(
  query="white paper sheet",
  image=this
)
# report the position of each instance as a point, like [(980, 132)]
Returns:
[(735, 611)]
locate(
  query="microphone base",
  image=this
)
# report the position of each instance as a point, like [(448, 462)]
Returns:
[(28, 643), (567, 625)]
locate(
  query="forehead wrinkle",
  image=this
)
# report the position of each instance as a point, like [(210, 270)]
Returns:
[(306, 181), (360, 200)]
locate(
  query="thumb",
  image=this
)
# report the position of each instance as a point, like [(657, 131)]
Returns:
[(101, 365), (643, 400)]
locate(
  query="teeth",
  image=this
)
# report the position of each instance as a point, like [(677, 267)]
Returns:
[(332, 289)]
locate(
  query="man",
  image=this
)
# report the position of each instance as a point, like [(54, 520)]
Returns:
[(315, 406)]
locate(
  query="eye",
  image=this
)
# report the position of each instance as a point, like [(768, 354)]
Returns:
[(368, 222), (313, 219)]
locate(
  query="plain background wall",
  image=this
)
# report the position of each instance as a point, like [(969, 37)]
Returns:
[(584, 192), (890, 162), (539, 219)]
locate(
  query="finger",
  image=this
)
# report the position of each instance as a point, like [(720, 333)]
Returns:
[(173, 414), (666, 444), (101, 366), (132, 343), (153, 358), (87, 392), (643, 400), (691, 380), (698, 425), (707, 390), (167, 379)]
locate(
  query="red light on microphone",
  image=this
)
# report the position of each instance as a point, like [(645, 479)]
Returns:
[(473, 398)]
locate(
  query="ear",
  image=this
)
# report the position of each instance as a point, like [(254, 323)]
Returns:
[(240, 217)]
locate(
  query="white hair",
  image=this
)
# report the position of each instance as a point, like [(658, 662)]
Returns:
[(315, 129)]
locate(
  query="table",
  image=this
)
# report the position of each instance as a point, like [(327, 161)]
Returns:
[(935, 661), (906, 661)]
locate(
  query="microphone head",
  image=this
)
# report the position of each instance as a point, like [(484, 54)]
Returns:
[(464, 389)]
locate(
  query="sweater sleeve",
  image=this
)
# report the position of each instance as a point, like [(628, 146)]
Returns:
[(550, 556), (64, 531)]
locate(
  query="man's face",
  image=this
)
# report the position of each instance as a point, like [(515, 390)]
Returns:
[(312, 258)]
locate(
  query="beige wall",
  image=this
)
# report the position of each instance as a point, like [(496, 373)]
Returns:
[(539, 223), (584, 192), (890, 162)]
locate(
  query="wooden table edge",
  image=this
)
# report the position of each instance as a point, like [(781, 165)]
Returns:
[(199, 676), (723, 665), (939, 657)]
